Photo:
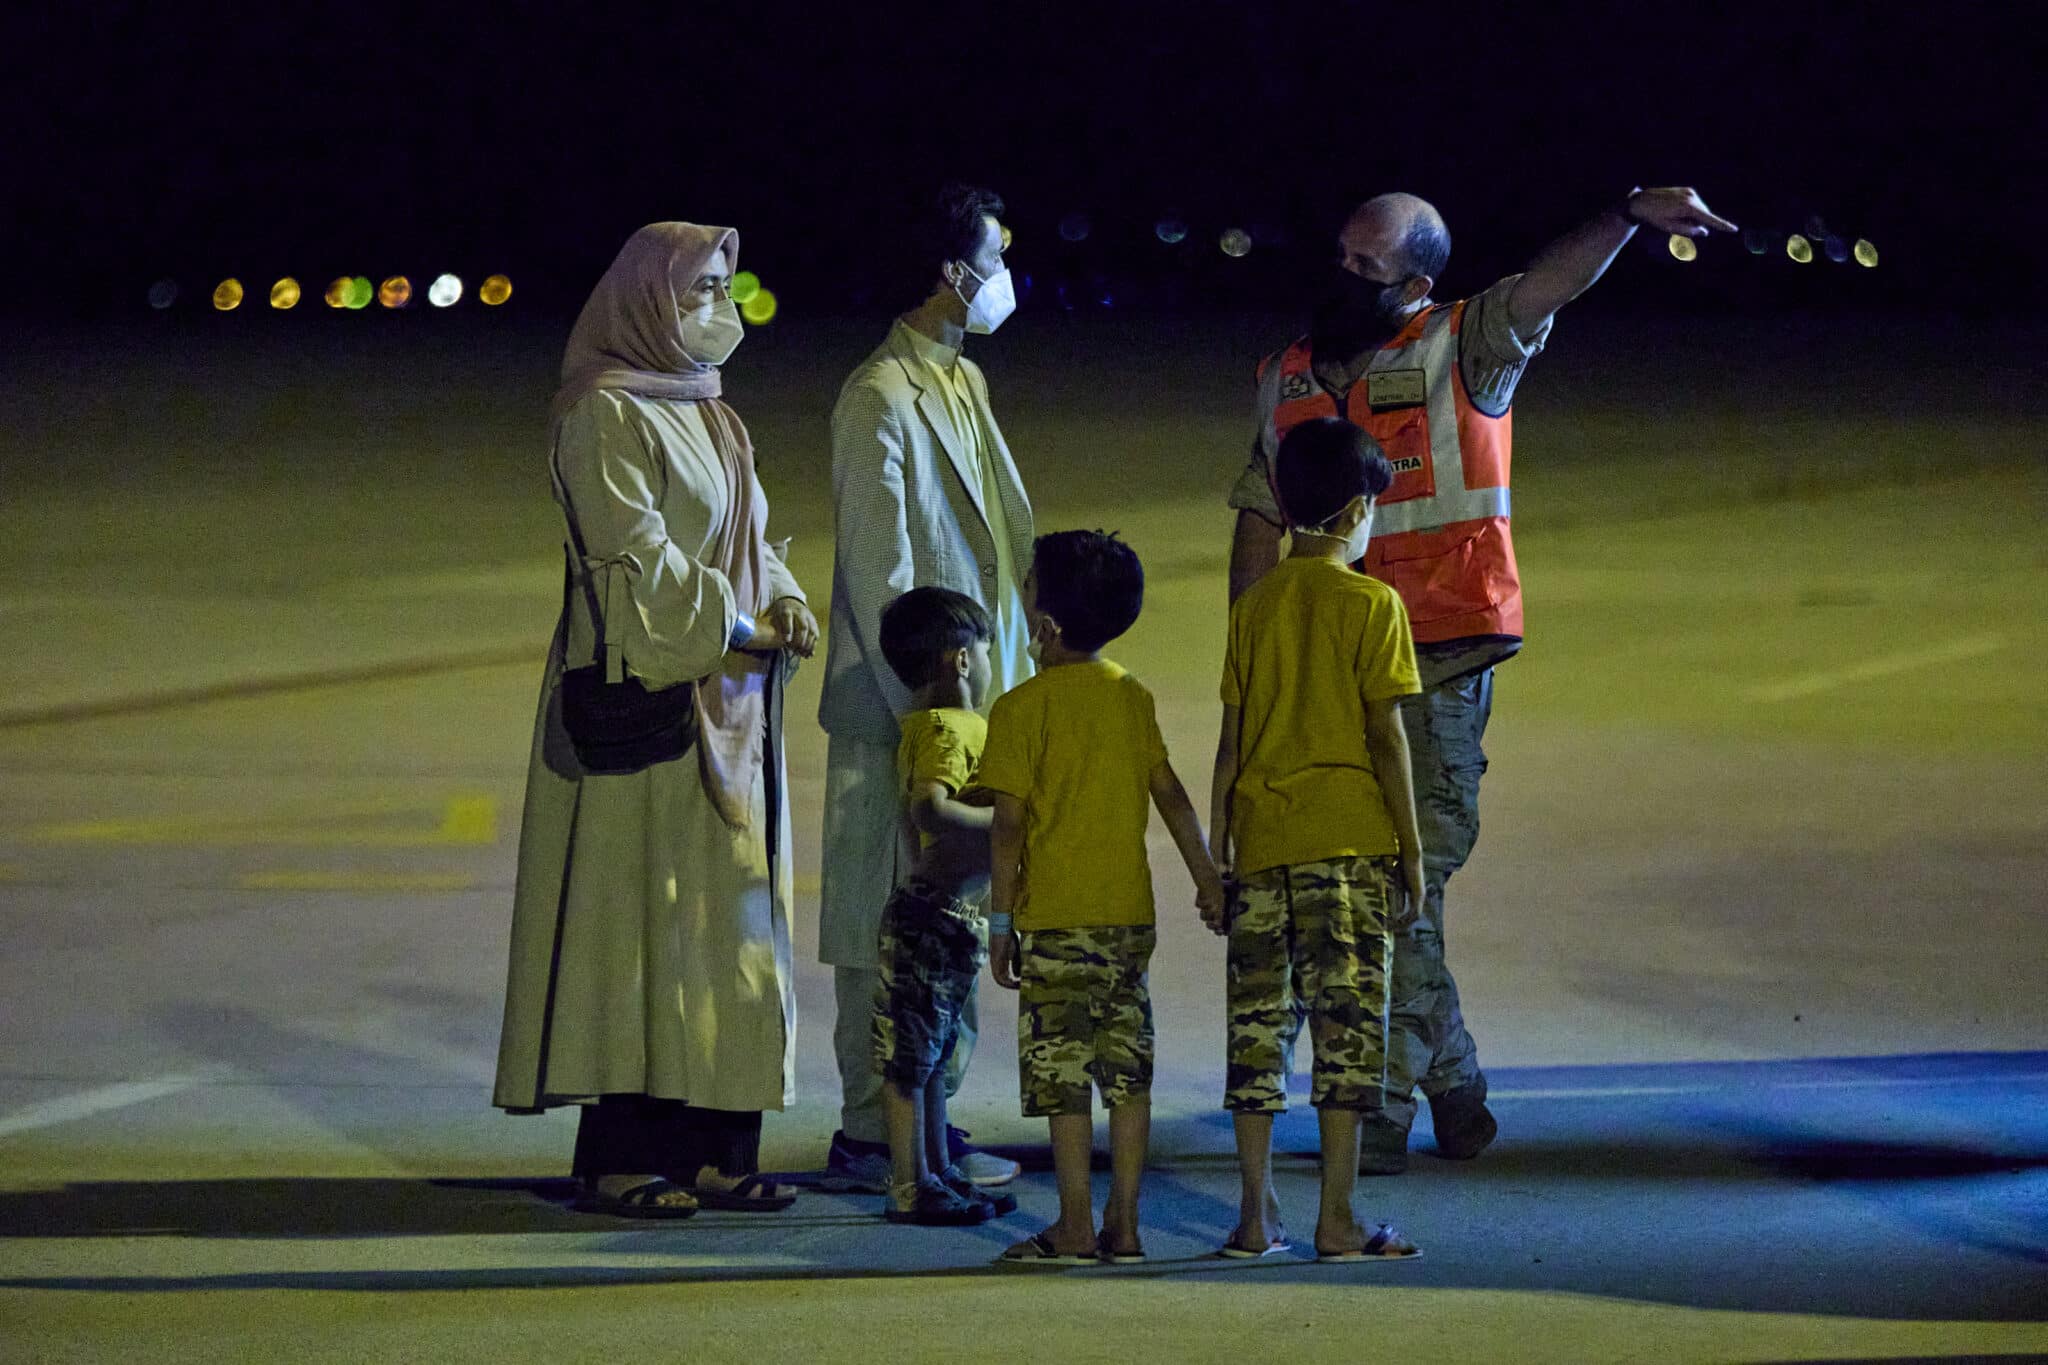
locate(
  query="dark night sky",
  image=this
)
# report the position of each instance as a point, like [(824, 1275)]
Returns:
[(377, 138)]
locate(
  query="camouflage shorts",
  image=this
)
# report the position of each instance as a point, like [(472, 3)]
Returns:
[(1310, 942), (932, 949), (1084, 1016)]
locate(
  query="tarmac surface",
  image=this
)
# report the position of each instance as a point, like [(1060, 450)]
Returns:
[(1753, 943)]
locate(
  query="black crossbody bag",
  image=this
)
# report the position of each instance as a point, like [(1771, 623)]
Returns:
[(619, 727)]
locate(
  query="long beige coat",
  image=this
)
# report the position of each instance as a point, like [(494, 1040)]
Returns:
[(650, 942)]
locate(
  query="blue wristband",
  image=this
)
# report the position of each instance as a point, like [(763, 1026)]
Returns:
[(999, 925), (742, 631)]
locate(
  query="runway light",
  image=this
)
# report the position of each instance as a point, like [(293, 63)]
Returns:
[(1798, 248), (445, 290), (285, 293), (360, 292), (1682, 247), (227, 295), (760, 308), (1171, 231), (1235, 242), (1004, 228), (1866, 254), (1837, 250), (745, 285), (395, 292), (494, 290), (1757, 240), (164, 293), (337, 292)]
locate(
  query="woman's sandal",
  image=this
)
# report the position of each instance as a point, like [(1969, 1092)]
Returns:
[(744, 1195), (641, 1201), (1378, 1247), (1038, 1249)]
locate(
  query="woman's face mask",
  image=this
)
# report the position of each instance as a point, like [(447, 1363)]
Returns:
[(994, 301), (711, 343)]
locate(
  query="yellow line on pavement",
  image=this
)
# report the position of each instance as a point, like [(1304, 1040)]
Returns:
[(1884, 666), (356, 881), (463, 820)]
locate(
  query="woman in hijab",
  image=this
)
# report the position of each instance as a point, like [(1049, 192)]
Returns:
[(651, 978)]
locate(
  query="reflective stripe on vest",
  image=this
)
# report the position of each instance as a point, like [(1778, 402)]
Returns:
[(1440, 533)]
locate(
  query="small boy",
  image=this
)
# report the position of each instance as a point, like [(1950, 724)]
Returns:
[(1312, 800), (933, 926), (1074, 755)]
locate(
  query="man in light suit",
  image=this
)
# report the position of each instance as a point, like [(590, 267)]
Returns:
[(926, 495)]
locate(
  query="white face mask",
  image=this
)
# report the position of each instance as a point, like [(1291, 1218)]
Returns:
[(711, 343), (1355, 543), (994, 301)]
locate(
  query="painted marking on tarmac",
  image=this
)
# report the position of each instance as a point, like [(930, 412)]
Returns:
[(1592, 1092), (398, 882), (463, 820), (10, 872), (1884, 666), (69, 1108)]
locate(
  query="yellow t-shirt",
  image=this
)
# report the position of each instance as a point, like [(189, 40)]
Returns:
[(1077, 745), (1310, 644), (941, 745)]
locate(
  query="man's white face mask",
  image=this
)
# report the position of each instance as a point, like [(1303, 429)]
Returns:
[(994, 301), (713, 342)]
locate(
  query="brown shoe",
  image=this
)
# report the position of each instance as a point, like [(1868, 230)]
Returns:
[(1382, 1146), (1464, 1125)]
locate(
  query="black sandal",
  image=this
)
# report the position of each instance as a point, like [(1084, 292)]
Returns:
[(744, 1197), (639, 1202)]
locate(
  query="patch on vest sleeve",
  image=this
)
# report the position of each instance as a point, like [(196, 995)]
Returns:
[(1294, 386)]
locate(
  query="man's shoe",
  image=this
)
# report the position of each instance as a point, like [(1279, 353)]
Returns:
[(1382, 1146), (999, 1204), (1464, 1125), (983, 1168), (935, 1206), (856, 1167)]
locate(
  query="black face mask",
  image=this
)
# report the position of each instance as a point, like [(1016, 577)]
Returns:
[(1356, 314)]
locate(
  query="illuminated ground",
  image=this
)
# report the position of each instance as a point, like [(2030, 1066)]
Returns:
[(1752, 944)]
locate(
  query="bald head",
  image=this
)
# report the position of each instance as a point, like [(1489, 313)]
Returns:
[(1395, 237)]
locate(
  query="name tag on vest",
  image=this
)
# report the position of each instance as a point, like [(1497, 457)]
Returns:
[(1388, 389)]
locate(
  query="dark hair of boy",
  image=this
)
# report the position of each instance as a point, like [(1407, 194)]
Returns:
[(1089, 582), (923, 626), (947, 227), (1323, 464)]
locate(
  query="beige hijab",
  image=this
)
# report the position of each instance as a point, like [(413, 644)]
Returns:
[(630, 337)]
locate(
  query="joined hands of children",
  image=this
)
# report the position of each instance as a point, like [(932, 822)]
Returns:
[(1212, 900)]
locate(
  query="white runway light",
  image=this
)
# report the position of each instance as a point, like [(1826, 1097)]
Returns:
[(445, 290)]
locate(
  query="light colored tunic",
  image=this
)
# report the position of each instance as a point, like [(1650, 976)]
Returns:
[(650, 942)]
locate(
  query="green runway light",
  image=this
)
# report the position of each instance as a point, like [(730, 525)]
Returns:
[(1798, 248), (1683, 247), (359, 293), (760, 308), (745, 285)]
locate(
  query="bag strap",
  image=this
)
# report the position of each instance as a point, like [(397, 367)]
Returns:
[(612, 656)]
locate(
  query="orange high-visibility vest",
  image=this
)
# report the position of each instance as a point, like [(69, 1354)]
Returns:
[(1440, 532)]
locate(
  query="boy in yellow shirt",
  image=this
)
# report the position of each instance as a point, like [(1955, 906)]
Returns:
[(1312, 801), (1074, 760), (933, 926)]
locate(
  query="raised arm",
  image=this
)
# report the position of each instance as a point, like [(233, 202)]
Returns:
[(873, 538), (1569, 266)]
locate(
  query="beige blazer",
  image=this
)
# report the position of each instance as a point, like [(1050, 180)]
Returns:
[(908, 514)]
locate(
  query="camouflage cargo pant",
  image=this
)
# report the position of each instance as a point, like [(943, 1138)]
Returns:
[(1427, 1042), (932, 948), (1084, 1017), (1310, 943)]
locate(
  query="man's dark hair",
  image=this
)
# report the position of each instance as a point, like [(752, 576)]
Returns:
[(948, 227), (1323, 464), (926, 624), (1426, 246), (1091, 583)]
